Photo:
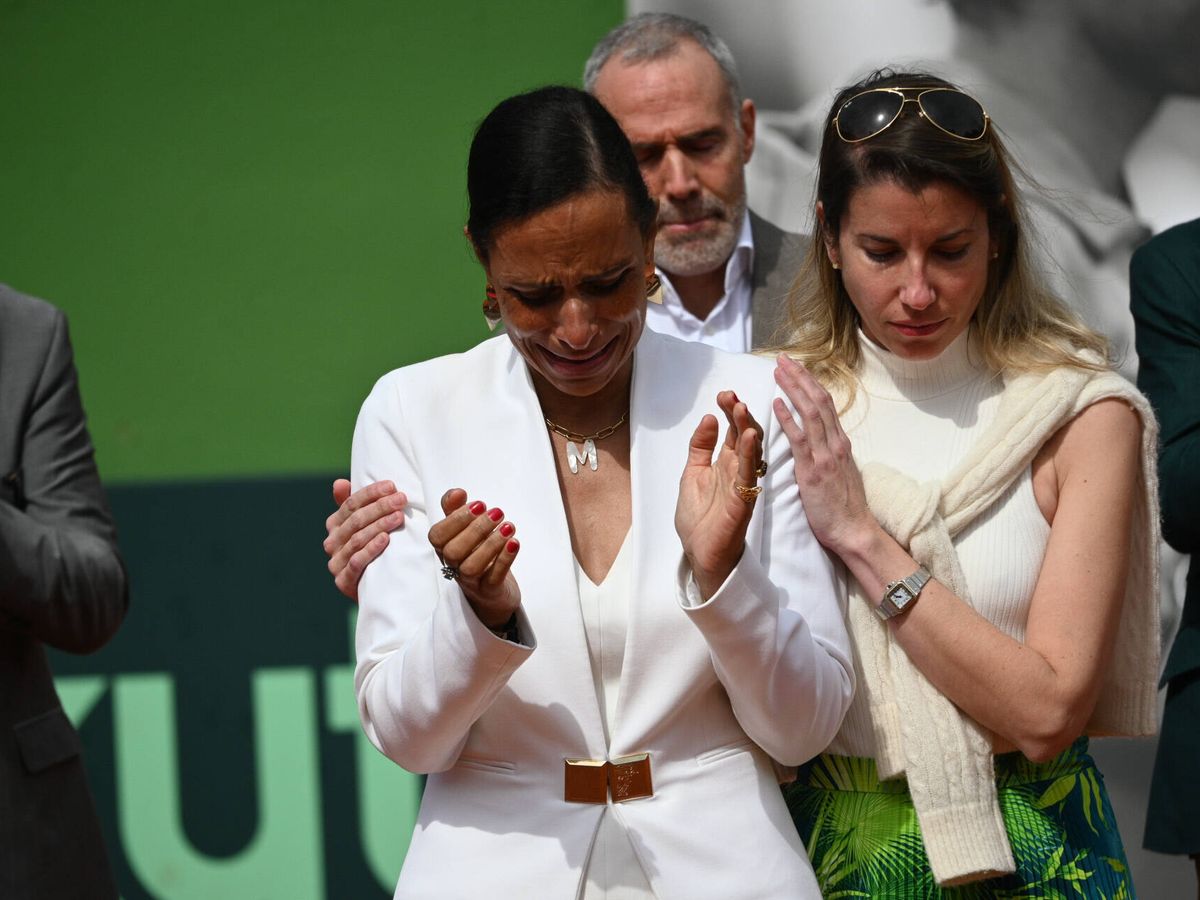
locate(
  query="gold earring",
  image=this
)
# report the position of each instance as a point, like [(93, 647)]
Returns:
[(491, 308), (653, 285), (837, 267)]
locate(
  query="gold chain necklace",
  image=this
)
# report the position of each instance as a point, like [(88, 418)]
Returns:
[(588, 455)]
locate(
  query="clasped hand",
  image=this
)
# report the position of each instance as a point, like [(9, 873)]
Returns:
[(711, 517), (479, 548)]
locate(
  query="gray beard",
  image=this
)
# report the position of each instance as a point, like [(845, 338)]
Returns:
[(700, 255)]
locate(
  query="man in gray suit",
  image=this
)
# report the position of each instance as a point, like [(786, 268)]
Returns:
[(673, 87), (62, 583)]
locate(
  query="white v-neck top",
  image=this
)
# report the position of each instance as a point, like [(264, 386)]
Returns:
[(605, 608), (613, 871)]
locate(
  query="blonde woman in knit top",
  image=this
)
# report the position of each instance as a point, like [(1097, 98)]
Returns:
[(962, 446)]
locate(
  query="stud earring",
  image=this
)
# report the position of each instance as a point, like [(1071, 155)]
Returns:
[(837, 267), (491, 308)]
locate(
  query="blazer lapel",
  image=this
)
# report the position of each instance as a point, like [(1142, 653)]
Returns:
[(777, 259), (525, 483), (661, 426)]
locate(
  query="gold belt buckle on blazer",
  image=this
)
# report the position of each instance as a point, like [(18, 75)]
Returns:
[(591, 780)]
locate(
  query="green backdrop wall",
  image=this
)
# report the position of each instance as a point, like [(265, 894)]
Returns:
[(249, 210)]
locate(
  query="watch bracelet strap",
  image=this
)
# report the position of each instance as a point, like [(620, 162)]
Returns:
[(915, 583)]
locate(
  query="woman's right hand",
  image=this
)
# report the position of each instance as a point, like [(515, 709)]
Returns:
[(830, 484), (711, 516), (479, 547)]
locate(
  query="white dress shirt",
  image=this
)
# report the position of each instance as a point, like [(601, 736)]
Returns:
[(728, 325)]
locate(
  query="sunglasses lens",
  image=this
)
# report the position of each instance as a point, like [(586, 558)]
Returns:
[(868, 114), (954, 112)]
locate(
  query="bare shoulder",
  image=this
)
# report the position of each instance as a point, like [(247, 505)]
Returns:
[(1101, 444), (1109, 421), (1104, 437)]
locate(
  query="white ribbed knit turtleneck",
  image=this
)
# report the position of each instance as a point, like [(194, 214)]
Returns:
[(921, 417), (945, 451)]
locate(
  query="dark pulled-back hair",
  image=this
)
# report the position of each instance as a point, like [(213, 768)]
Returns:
[(1019, 322), (538, 149)]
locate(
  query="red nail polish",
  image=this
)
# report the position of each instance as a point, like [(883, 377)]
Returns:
[(512, 547), (477, 508), (507, 529), (496, 514)]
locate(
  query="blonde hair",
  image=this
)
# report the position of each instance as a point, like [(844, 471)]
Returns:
[(1020, 324)]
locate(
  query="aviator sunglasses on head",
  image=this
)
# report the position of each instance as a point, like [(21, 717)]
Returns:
[(874, 111)]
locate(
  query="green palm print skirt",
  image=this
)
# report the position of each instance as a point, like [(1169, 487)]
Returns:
[(864, 841)]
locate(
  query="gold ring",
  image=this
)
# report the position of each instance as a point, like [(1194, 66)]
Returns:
[(761, 470), (748, 494)]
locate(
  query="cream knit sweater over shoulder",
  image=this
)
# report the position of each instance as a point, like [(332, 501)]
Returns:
[(946, 449)]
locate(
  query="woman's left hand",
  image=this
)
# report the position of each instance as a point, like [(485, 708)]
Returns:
[(711, 515), (831, 486)]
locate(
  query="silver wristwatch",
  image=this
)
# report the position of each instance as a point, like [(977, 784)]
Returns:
[(899, 595)]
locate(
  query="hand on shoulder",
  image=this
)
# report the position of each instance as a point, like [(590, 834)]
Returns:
[(357, 531)]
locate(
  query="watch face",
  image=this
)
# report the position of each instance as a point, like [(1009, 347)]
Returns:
[(900, 596)]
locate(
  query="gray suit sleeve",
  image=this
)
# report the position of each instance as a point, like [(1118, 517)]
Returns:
[(61, 577)]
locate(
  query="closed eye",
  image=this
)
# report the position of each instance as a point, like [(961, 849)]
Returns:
[(609, 285), (880, 256), (648, 154), (701, 146), (534, 299)]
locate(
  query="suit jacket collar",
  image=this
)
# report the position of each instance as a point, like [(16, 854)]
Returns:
[(777, 258)]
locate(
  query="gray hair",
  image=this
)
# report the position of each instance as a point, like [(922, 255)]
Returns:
[(650, 36)]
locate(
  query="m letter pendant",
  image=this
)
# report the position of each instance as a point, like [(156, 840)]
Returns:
[(574, 457)]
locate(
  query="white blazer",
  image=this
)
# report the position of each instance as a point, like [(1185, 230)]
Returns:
[(712, 692)]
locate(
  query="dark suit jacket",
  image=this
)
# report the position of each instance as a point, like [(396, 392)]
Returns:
[(777, 257), (61, 583), (1165, 296)]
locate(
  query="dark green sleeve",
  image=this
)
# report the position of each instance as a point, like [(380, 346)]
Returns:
[(1165, 297)]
